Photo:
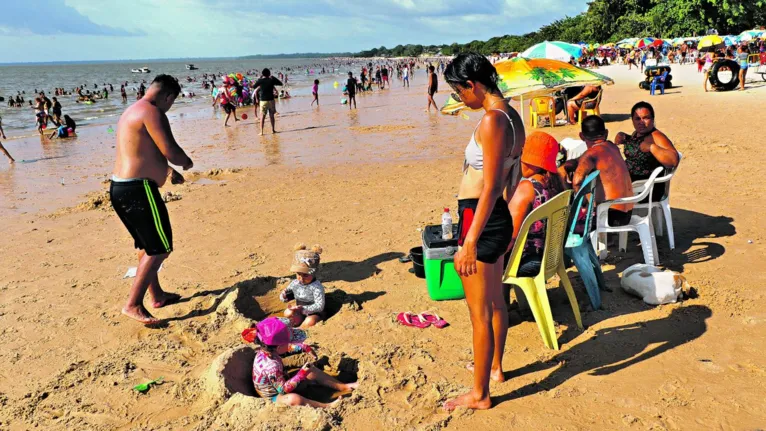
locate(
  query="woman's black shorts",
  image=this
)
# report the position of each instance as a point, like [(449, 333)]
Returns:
[(497, 234)]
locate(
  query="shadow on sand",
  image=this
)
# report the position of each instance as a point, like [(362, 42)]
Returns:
[(614, 349)]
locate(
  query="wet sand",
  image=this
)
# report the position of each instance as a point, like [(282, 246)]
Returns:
[(361, 185)]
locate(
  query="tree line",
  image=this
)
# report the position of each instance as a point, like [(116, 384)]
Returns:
[(610, 21)]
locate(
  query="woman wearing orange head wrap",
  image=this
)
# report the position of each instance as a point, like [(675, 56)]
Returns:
[(540, 182)]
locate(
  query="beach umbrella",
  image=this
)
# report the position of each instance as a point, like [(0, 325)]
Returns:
[(553, 51), (607, 46), (710, 43), (629, 40), (530, 77), (644, 42), (747, 36), (730, 40), (625, 45)]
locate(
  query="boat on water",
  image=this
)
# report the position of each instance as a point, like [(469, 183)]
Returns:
[(191, 67), (141, 70)]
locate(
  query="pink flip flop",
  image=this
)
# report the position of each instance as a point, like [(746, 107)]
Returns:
[(433, 319), (407, 319)]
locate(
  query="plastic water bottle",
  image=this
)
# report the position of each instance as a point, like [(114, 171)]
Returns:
[(446, 224)]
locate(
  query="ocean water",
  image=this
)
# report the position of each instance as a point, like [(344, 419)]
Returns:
[(46, 77)]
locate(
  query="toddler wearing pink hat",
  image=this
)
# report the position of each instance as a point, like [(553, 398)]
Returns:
[(274, 336)]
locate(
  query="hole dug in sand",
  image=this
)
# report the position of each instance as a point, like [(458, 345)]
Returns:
[(231, 373), (247, 302), (229, 383)]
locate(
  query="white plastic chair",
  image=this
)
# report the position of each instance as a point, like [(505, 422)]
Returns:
[(662, 207), (639, 224)]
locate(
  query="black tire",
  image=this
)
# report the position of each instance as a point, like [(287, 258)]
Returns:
[(715, 80), (763, 76), (644, 85)]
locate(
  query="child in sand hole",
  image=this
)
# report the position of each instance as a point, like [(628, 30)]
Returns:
[(307, 291), (274, 337)]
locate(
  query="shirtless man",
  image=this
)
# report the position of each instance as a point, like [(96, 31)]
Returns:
[(574, 104), (614, 179), (145, 145)]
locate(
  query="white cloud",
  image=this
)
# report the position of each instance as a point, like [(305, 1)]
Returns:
[(221, 28)]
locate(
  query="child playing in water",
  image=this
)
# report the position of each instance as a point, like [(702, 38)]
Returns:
[(274, 337), (315, 92), (307, 291)]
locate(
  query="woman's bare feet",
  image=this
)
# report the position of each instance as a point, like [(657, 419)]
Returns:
[(495, 375), (140, 314), (469, 401), (165, 299)]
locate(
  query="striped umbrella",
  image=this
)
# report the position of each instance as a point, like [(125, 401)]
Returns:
[(646, 42), (553, 51)]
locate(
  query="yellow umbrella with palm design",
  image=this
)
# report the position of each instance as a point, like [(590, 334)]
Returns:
[(530, 77)]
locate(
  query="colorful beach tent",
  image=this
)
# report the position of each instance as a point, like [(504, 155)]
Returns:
[(553, 51), (530, 77)]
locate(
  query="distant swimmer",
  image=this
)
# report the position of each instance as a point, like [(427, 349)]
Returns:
[(145, 145)]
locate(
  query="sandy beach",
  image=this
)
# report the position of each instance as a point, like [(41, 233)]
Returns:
[(361, 184)]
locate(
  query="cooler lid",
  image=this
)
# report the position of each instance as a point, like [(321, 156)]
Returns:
[(432, 237)]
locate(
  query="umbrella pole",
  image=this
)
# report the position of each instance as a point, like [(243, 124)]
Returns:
[(521, 110)]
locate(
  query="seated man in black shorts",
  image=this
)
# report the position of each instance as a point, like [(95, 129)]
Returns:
[(574, 104), (145, 145)]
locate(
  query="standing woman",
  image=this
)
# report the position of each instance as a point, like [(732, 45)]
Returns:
[(486, 228), (707, 67), (742, 57)]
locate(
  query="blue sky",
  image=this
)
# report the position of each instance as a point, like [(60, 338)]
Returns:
[(56, 30)]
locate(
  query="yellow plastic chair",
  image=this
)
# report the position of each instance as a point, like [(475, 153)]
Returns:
[(590, 107), (542, 107), (556, 211)]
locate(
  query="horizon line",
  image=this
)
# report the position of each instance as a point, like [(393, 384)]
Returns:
[(240, 57)]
